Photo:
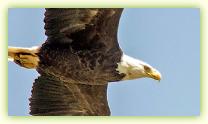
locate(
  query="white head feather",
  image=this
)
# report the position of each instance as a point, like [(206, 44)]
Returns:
[(134, 68)]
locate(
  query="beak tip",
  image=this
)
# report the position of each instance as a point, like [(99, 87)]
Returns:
[(157, 76)]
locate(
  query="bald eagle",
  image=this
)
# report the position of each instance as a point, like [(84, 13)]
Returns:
[(77, 61)]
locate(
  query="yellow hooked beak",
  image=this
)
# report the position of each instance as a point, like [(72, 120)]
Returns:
[(153, 73)]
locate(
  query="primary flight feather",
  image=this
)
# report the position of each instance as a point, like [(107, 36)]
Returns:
[(77, 61)]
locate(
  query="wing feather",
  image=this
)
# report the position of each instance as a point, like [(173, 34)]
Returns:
[(50, 96), (68, 24)]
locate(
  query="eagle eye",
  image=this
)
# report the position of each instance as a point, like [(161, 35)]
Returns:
[(147, 69)]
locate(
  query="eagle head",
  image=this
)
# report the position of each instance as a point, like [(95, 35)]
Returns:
[(134, 68)]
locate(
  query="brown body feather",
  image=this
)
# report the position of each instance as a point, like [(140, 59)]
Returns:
[(80, 55), (74, 53)]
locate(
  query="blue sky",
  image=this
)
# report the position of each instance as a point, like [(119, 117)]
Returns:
[(167, 39)]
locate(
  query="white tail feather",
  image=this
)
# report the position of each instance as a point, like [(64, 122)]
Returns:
[(10, 59), (27, 57)]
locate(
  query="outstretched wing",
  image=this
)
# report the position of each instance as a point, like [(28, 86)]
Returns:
[(51, 96), (83, 27)]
